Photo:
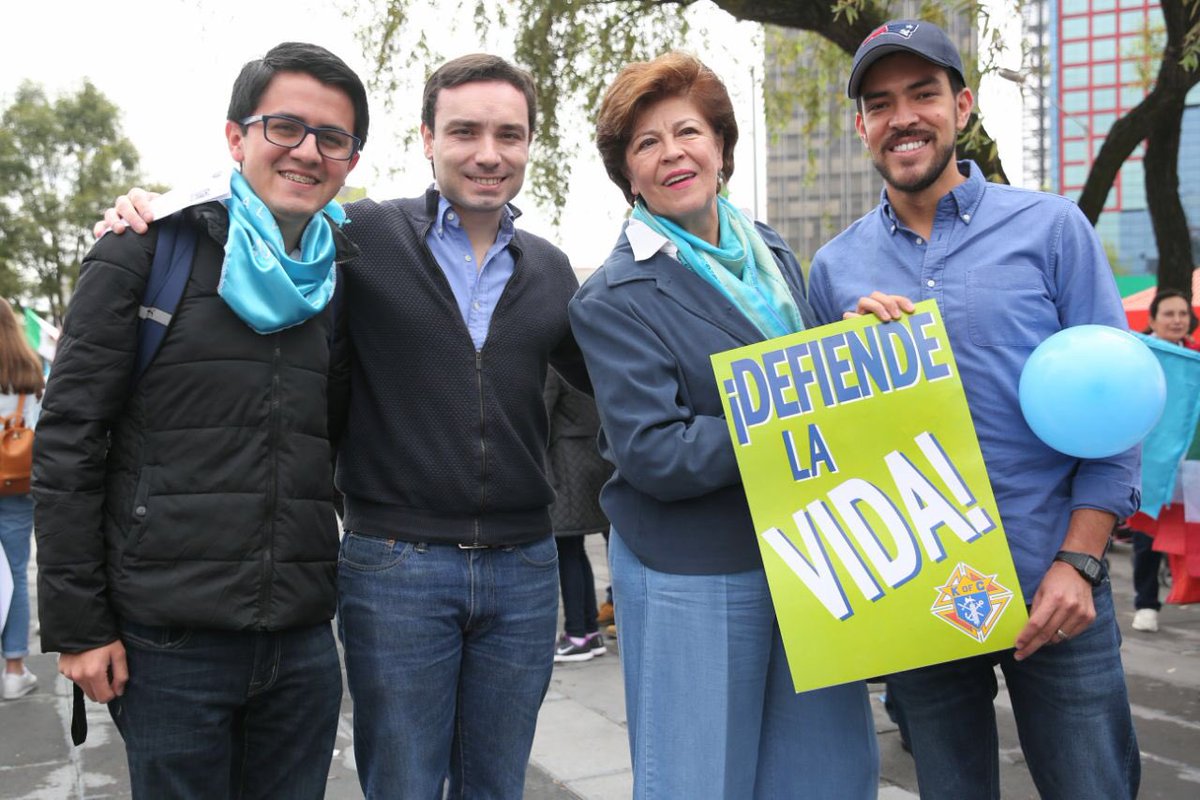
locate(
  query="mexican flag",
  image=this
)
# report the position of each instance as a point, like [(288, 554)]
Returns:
[(1170, 510), (42, 336)]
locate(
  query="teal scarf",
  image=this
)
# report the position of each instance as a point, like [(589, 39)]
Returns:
[(742, 268), (260, 281)]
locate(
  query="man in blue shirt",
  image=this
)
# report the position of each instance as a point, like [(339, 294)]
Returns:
[(1008, 268)]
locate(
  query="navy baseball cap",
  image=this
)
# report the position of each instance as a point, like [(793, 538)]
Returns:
[(904, 36)]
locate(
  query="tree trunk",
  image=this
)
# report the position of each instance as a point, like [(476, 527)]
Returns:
[(1162, 197), (819, 18), (1157, 120)]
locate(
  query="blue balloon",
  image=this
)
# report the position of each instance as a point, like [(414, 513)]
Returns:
[(1092, 391)]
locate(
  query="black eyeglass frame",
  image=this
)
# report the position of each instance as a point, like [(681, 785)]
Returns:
[(316, 133)]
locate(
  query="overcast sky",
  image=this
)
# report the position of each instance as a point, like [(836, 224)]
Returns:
[(169, 65)]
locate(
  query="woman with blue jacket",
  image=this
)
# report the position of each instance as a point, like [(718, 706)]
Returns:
[(709, 698)]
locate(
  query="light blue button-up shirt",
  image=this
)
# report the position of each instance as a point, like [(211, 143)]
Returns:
[(1008, 267), (476, 288)]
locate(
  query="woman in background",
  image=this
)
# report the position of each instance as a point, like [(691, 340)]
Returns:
[(20, 384), (709, 697), (577, 472), (1172, 321)]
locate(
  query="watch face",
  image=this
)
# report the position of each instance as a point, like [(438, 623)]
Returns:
[(1092, 568)]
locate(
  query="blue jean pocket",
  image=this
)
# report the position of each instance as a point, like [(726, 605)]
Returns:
[(371, 554), (154, 637), (542, 553)]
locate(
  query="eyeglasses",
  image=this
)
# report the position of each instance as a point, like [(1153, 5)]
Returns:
[(287, 132)]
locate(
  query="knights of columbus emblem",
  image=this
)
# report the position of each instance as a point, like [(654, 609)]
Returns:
[(971, 601)]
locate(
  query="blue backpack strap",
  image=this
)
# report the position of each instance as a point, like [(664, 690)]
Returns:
[(168, 276)]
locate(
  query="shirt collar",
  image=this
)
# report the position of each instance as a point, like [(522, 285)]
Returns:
[(446, 215), (646, 242), (966, 196)]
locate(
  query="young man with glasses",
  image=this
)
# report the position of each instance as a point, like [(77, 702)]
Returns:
[(187, 544)]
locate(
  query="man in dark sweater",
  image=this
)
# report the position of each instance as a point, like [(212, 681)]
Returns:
[(448, 582)]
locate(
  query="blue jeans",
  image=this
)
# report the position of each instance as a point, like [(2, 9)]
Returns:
[(448, 656), (16, 526), (1071, 709), (1146, 563), (709, 698), (578, 586), (221, 714)]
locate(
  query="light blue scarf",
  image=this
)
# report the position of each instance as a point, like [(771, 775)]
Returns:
[(260, 282), (742, 268)]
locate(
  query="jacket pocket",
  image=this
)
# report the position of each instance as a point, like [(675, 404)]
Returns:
[(139, 511)]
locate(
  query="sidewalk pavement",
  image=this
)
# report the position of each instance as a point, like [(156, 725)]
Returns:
[(581, 751)]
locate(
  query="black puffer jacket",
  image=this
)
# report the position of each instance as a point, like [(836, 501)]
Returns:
[(200, 498), (573, 462)]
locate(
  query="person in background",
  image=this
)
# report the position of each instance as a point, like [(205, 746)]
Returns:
[(187, 541), (577, 473), (711, 707), (1171, 319), (20, 383)]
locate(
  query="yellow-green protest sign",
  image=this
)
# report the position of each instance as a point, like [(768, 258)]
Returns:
[(882, 543)]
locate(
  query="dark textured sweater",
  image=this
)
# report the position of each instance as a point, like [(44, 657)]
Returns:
[(444, 443)]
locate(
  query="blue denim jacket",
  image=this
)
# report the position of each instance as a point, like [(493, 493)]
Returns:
[(647, 329), (1008, 267)]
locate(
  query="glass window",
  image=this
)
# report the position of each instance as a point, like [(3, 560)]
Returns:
[(1075, 175), (1132, 4), (1133, 190), (1097, 143), (1103, 49), (1132, 21), (1104, 24), (1074, 150), (1074, 6), (1131, 96), (1074, 124), (1103, 74), (1156, 18), (1103, 5), (1102, 122), (1074, 76), (1076, 53), (1104, 98), (1075, 28), (1130, 72), (1075, 101)]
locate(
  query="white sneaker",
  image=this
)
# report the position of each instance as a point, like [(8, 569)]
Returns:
[(1145, 619), (19, 684)]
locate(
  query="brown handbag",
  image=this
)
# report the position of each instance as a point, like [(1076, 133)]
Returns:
[(16, 452)]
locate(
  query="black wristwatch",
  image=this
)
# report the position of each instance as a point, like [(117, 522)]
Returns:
[(1088, 566)]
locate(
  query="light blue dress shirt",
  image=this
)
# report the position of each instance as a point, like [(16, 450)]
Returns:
[(476, 289), (1008, 267)]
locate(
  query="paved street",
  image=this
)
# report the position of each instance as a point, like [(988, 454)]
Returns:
[(580, 750)]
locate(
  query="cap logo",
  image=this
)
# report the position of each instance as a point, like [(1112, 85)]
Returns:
[(902, 29)]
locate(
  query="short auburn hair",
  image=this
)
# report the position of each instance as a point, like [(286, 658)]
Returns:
[(640, 85)]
